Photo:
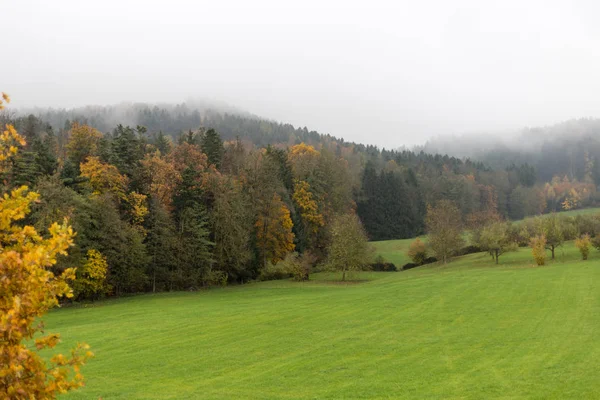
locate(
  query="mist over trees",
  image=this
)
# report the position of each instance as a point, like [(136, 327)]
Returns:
[(174, 197)]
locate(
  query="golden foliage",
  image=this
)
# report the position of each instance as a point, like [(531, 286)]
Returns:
[(27, 291), (572, 200), (188, 155), (83, 142), (538, 249), (583, 244), (4, 99), (9, 142), (303, 159), (417, 251), (103, 177), (274, 231), (309, 209), (137, 203), (90, 279), (163, 177)]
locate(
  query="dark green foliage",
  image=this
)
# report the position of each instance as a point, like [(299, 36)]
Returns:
[(195, 249), (127, 149), (162, 246), (383, 267), (121, 244), (389, 207), (212, 146), (162, 143)]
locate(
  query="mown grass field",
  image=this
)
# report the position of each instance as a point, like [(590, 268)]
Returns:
[(468, 330)]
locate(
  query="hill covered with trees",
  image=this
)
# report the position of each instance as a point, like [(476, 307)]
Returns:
[(178, 196)]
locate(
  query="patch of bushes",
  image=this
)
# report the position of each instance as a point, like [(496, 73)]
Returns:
[(293, 266), (417, 251), (428, 260), (463, 251), (383, 267)]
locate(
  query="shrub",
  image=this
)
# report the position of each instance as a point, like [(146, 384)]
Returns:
[(538, 249), (463, 251), (428, 260), (409, 266), (596, 242), (216, 278), (294, 265), (417, 251), (583, 244), (276, 271), (383, 266)]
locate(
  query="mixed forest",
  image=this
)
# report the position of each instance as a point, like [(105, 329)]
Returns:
[(176, 198)]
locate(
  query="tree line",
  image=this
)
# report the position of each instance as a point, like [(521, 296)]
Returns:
[(152, 213), (450, 236)]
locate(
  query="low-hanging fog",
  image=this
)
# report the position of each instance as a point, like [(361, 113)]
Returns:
[(390, 73)]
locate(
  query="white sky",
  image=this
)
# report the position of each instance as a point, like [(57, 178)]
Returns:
[(389, 73)]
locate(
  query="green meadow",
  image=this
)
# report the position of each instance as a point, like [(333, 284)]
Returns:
[(468, 330)]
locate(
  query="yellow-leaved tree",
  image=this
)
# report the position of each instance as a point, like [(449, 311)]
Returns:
[(307, 205), (91, 277), (27, 291), (274, 235)]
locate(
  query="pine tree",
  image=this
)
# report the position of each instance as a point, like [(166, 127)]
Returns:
[(212, 146)]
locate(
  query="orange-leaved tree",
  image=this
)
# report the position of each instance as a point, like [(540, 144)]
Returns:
[(27, 291)]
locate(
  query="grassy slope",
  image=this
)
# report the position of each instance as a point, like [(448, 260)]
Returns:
[(467, 330)]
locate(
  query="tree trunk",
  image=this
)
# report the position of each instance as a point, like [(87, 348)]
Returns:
[(552, 248), (343, 275), (496, 254)]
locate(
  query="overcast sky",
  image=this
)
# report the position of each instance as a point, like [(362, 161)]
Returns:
[(389, 73)]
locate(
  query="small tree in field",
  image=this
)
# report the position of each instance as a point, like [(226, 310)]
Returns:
[(444, 226), (538, 249), (553, 230), (349, 249), (27, 291), (417, 251), (583, 244), (496, 239)]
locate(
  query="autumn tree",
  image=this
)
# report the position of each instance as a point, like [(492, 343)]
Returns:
[(496, 239), (583, 244), (162, 178), (103, 177), (27, 291), (83, 142), (308, 208), (538, 249), (304, 160), (90, 278), (274, 237), (444, 226), (349, 249), (417, 251)]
